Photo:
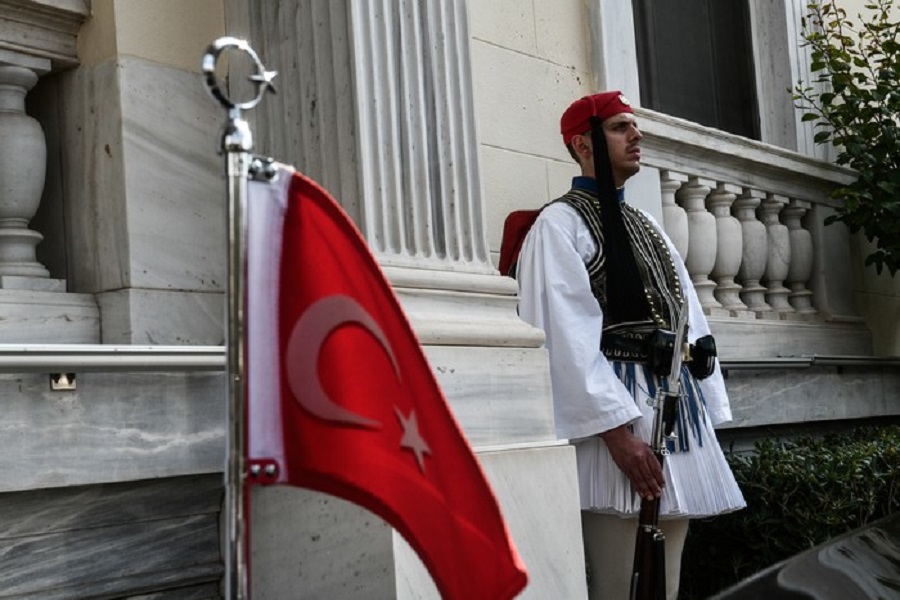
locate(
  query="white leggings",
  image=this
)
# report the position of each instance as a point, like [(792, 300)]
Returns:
[(609, 552)]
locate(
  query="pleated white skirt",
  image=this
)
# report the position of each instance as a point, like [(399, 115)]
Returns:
[(699, 481)]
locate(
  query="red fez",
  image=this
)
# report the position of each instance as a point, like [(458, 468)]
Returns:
[(576, 119)]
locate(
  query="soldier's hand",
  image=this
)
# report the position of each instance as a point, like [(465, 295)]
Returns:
[(636, 460)]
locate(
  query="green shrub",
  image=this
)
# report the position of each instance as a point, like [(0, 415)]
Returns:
[(800, 492), (856, 67)]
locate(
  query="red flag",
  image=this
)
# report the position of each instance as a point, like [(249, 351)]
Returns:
[(355, 410)]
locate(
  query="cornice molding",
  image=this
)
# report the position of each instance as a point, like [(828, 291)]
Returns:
[(45, 29), (675, 144)]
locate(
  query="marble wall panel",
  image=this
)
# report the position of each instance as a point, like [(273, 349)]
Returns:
[(114, 540), (764, 398), (562, 36), (512, 181), (883, 313), (130, 557), (498, 396), (113, 427), (48, 511), (543, 514), (506, 23), (174, 178), (519, 100), (144, 181), (93, 175), (194, 592), (325, 546), (160, 317)]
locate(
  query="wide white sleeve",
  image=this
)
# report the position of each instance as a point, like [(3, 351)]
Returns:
[(555, 295), (713, 387)]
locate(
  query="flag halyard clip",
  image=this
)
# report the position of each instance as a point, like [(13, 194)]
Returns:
[(263, 168), (263, 471)]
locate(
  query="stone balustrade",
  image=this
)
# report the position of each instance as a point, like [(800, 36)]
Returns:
[(747, 249), (748, 219)]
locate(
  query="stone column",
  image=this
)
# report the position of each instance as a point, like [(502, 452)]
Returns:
[(380, 112), (386, 105), (801, 256), (729, 248), (701, 255), (778, 261), (675, 220), (753, 260)]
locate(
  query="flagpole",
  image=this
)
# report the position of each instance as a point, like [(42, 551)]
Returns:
[(237, 142)]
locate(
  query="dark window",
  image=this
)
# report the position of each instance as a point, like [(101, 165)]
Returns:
[(695, 61)]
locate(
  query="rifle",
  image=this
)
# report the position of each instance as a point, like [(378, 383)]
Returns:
[(648, 577)]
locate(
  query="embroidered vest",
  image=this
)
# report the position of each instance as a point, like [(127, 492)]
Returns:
[(657, 272)]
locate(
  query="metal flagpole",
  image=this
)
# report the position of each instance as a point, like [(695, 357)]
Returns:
[(237, 142)]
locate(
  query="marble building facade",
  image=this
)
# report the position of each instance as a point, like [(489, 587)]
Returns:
[(428, 121)]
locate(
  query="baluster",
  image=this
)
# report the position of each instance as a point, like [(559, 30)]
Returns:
[(675, 220), (729, 248), (801, 257), (701, 255), (753, 260), (778, 258), (22, 167)]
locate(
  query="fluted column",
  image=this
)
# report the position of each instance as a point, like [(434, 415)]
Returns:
[(388, 126), (729, 248), (675, 220), (702, 242), (23, 163), (778, 260), (801, 256), (753, 259)]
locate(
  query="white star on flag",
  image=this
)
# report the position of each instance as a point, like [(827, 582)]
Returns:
[(412, 439)]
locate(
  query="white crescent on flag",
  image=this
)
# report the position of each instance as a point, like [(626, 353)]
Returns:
[(302, 355)]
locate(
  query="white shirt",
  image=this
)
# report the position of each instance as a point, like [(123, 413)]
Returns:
[(555, 295)]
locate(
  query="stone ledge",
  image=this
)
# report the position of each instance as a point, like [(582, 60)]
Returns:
[(740, 339), (676, 144), (768, 397), (42, 317)]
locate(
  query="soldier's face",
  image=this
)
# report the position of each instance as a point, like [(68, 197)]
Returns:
[(623, 140)]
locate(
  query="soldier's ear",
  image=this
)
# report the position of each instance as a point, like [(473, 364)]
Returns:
[(582, 146)]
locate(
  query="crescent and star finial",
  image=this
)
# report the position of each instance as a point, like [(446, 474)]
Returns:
[(261, 78)]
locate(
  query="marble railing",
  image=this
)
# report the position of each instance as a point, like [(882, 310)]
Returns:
[(746, 249), (749, 220)]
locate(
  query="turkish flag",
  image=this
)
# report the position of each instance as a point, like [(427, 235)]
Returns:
[(341, 398)]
